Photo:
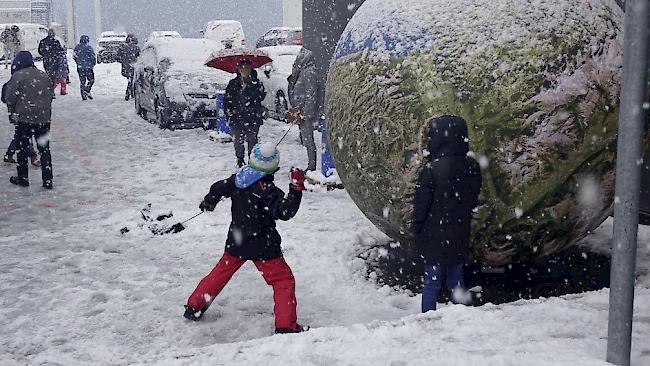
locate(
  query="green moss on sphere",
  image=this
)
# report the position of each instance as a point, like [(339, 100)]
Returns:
[(538, 83)]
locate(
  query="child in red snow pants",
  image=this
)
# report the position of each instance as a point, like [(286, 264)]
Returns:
[(256, 205), (64, 86), (276, 273)]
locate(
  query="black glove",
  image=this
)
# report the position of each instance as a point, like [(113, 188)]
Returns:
[(207, 206)]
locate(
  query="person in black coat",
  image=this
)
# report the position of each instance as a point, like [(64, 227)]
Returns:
[(128, 54), (446, 194), (256, 204), (51, 50), (243, 107)]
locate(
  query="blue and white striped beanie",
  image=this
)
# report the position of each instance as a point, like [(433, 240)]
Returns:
[(265, 157)]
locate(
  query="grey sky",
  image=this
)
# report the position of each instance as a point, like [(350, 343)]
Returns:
[(186, 16)]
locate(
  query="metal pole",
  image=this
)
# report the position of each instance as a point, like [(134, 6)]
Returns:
[(628, 182), (70, 26), (98, 18)]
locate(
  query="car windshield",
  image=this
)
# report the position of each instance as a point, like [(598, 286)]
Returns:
[(224, 31)]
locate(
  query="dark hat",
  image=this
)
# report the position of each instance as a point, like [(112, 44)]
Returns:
[(23, 60)]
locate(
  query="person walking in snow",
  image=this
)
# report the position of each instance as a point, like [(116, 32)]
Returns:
[(128, 55), (13, 145), (302, 97), (29, 96), (446, 194), (85, 57), (61, 73), (11, 43), (243, 107), (256, 205), (50, 49)]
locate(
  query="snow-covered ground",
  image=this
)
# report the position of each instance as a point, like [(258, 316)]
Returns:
[(73, 291)]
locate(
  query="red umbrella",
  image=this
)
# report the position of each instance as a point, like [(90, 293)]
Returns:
[(228, 59)]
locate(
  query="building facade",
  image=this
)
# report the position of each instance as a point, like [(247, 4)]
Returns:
[(26, 11), (41, 11)]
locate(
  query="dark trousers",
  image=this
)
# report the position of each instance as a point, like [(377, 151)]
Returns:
[(241, 134), (276, 273), (13, 146), (129, 75), (434, 277), (86, 80), (24, 133)]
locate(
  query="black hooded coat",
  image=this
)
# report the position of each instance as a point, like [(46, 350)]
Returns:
[(446, 193)]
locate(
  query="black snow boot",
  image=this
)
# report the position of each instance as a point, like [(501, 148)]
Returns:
[(240, 163), (19, 182), (89, 96), (194, 315), (299, 329), (48, 184)]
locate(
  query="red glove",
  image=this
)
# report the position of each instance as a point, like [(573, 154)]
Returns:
[(297, 177)]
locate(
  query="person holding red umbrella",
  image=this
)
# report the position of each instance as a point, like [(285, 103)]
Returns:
[(243, 107)]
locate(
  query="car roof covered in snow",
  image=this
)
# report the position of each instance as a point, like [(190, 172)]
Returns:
[(285, 29), (112, 33), (184, 52), (165, 34), (281, 50)]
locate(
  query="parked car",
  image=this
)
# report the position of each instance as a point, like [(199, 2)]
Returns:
[(281, 36), (173, 85), (108, 45), (30, 35), (163, 34), (228, 33), (274, 77)]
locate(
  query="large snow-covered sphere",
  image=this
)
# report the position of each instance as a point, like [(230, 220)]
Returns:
[(538, 82)]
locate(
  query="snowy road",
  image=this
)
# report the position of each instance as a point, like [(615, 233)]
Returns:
[(73, 291)]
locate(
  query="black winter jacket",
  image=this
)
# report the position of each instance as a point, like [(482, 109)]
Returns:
[(446, 193), (128, 55), (50, 49), (243, 101), (252, 234)]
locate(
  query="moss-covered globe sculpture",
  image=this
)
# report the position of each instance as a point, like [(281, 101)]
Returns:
[(538, 82)]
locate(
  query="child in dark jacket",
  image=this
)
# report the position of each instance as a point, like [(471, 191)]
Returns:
[(256, 204), (446, 193), (61, 74)]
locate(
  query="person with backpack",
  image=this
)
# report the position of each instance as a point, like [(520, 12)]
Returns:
[(11, 43), (13, 145), (128, 55), (256, 205), (446, 194), (85, 58), (29, 96)]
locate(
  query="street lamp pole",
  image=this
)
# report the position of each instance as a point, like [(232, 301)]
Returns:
[(98, 18), (628, 181), (70, 26)]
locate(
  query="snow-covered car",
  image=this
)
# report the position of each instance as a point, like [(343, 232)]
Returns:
[(108, 46), (30, 35), (163, 34), (228, 33), (274, 77), (173, 84), (280, 36)]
